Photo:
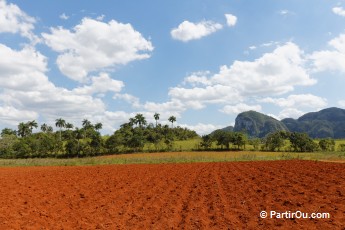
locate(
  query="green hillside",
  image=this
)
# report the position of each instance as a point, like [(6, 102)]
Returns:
[(256, 124)]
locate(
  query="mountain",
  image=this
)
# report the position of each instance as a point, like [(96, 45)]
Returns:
[(256, 124), (226, 129), (325, 123)]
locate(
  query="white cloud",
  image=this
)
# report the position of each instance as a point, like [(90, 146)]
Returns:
[(231, 20), (239, 108), (202, 129), (285, 12), (198, 96), (341, 103), (173, 106), (100, 17), (274, 73), (333, 59), (198, 78), (10, 115), (63, 16), (94, 45), (289, 113), (101, 84), (339, 11), (134, 101), (187, 31), (298, 101), (23, 69), (14, 20), (27, 92)]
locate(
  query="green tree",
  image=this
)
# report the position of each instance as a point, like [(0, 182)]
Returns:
[(114, 142), (327, 144), (87, 125), (156, 117), (6, 145), (61, 123), (274, 141), (69, 126), (172, 119), (140, 120), (23, 129), (31, 125), (8, 132), (98, 126), (239, 139), (301, 142), (206, 142), (223, 138)]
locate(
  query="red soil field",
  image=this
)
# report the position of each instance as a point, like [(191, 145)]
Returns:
[(173, 196)]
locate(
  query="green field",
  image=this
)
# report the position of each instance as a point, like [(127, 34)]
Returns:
[(174, 157)]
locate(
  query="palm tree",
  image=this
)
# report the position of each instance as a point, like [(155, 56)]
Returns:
[(50, 129), (60, 123), (140, 119), (86, 125), (98, 126), (172, 119), (32, 124), (132, 121), (23, 129), (44, 127), (69, 126), (156, 116)]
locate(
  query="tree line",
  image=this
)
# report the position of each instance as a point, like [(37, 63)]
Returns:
[(275, 141), (70, 141)]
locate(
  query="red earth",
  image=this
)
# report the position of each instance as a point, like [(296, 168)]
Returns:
[(173, 196)]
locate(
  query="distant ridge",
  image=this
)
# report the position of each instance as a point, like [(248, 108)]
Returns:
[(326, 123)]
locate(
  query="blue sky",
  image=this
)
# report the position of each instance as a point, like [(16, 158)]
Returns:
[(201, 61)]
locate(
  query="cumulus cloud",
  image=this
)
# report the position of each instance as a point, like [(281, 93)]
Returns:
[(274, 73), (202, 129), (14, 20), (10, 115), (231, 20), (27, 91), (134, 101), (94, 45), (239, 108), (339, 11), (298, 101), (198, 78), (21, 69), (101, 84), (187, 31), (289, 113), (332, 59), (199, 96)]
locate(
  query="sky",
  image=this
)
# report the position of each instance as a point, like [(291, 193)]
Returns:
[(202, 61)]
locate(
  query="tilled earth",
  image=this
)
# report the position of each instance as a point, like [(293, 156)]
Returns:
[(173, 196)]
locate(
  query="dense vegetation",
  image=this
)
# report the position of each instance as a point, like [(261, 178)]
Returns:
[(275, 141), (68, 141), (137, 135)]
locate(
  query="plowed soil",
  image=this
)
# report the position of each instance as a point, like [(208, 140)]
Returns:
[(173, 196)]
